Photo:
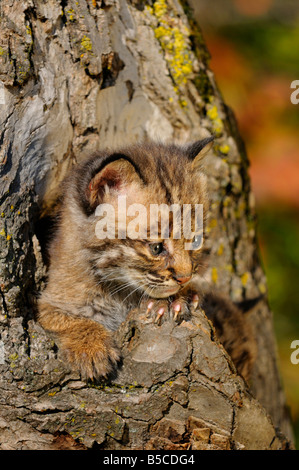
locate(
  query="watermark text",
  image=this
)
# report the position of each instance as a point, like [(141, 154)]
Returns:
[(295, 353), (295, 94), (157, 221)]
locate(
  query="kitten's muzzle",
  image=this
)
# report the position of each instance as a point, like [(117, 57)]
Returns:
[(182, 278), (163, 292)]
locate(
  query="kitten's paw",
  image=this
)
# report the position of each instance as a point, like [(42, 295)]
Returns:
[(183, 307), (90, 349), (158, 310), (178, 308)]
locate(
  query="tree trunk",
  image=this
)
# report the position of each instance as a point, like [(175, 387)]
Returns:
[(82, 75)]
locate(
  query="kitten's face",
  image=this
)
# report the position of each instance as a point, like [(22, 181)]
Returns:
[(169, 268), (158, 266)]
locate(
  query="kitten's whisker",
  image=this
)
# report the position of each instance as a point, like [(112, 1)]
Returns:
[(123, 287), (143, 295), (137, 288)]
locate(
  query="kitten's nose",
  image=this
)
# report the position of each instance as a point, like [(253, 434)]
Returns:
[(183, 278)]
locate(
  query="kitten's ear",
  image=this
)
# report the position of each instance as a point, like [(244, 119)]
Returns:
[(117, 176), (197, 151)]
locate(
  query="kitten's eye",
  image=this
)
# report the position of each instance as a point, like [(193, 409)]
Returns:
[(197, 242), (156, 248)]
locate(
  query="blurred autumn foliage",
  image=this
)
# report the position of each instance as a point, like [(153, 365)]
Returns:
[(255, 57), (259, 93)]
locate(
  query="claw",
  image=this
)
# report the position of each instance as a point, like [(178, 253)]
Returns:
[(195, 301), (149, 307), (177, 308), (160, 314)]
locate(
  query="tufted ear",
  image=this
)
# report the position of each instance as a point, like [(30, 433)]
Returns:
[(198, 150), (117, 177)]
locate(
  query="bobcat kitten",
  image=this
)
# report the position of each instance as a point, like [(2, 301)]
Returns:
[(94, 282)]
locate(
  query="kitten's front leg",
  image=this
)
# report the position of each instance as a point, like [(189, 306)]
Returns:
[(178, 307), (86, 344)]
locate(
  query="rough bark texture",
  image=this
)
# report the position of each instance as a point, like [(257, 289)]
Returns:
[(81, 75)]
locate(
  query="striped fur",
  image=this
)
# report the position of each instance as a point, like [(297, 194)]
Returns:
[(92, 283)]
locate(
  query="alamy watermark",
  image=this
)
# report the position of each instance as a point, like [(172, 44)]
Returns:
[(295, 94), (2, 353), (2, 93), (295, 354), (136, 221)]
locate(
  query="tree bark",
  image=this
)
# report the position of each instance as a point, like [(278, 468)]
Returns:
[(82, 75)]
